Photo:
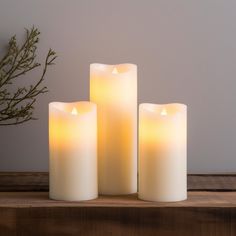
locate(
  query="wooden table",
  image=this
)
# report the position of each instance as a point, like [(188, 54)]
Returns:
[(206, 212)]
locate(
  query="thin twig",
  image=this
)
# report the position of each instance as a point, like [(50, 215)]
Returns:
[(17, 107)]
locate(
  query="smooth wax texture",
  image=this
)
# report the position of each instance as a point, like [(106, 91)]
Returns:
[(162, 152), (73, 151), (114, 89)]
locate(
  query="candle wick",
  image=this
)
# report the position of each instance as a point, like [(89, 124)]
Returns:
[(163, 112), (115, 71), (74, 111)]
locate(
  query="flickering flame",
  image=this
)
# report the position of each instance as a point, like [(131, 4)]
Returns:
[(74, 111), (114, 71), (163, 112)]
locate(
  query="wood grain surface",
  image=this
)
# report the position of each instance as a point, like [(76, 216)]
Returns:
[(25, 209), (38, 181), (41, 199), (204, 213)]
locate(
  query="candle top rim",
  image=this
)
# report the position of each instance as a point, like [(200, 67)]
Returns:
[(81, 107), (122, 68), (163, 109)]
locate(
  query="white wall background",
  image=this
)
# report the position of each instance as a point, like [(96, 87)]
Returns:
[(185, 51)]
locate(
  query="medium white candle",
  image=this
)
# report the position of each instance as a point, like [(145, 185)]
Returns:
[(162, 152), (73, 151), (114, 89)]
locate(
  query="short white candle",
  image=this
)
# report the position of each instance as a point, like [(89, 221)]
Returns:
[(114, 89), (73, 151), (162, 152)]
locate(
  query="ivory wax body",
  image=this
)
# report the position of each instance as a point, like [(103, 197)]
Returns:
[(73, 151), (114, 89), (162, 152)]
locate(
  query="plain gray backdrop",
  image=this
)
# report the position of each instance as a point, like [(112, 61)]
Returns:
[(185, 51)]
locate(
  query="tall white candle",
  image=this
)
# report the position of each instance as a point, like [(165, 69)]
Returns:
[(114, 89), (73, 151), (162, 152)]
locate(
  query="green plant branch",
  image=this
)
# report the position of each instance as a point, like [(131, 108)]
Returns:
[(17, 107)]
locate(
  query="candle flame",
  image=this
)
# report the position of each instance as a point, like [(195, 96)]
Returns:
[(74, 111), (164, 112), (115, 71)]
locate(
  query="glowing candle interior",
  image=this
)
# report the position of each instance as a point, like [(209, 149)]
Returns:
[(73, 150), (114, 89), (162, 152)]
